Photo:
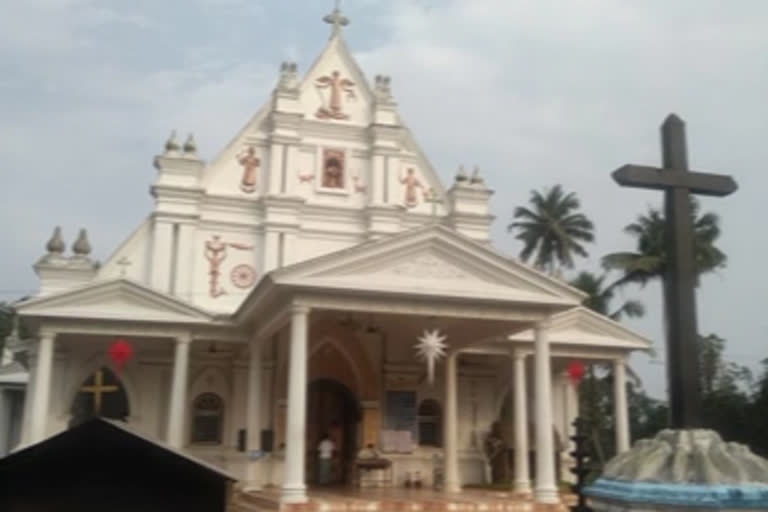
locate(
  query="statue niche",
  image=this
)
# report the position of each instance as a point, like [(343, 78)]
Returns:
[(333, 169)]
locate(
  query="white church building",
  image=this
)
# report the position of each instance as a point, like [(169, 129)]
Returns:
[(281, 290)]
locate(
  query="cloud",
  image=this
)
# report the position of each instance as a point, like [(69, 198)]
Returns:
[(535, 92), (551, 92)]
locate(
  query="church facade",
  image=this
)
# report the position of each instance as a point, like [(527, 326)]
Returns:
[(316, 278)]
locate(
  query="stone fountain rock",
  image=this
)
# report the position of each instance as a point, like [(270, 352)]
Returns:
[(682, 470)]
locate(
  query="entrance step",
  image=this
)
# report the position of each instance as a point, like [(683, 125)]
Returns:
[(394, 500)]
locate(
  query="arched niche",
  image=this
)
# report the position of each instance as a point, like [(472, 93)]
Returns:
[(101, 394)]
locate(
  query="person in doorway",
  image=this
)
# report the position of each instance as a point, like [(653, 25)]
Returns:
[(325, 459)]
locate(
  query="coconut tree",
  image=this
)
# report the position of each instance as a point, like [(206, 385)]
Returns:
[(600, 297), (649, 261), (552, 229)]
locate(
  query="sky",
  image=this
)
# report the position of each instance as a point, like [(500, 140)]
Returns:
[(534, 92)]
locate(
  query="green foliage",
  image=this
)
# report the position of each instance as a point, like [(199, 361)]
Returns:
[(757, 413), (649, 260), (600, 297), (647, 415), (726, 386), (733, 402), (552, 230)]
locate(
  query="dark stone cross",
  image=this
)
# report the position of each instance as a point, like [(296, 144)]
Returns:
[(678, 182)]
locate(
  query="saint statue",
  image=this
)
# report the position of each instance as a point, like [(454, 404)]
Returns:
[(495, 450), (250, 163), (411, 183), (337, 86), (333, 173)]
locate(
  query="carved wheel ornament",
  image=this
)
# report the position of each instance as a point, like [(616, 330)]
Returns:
[(243, 276)]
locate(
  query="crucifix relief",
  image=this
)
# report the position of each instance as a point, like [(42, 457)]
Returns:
[(678, 182), (339, 89)]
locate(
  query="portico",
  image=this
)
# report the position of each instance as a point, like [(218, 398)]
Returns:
[(367, 306)]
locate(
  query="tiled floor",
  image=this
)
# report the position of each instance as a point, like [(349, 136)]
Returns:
[(395, 500)]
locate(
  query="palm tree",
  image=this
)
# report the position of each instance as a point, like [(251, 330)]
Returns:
[(649, 261), (553, 229), (600, 297)]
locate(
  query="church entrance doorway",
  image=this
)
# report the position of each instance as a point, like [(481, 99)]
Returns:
[(101, 394), (333, 410)]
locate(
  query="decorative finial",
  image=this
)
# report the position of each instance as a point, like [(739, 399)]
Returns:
[(172, 144), (476, 179), (288, 76), (56, 244), (82, 247), (461, 174), (381, 87), (336, 20), (190, 146)]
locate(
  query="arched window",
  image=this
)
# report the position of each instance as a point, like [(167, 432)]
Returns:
[(207, 419), (430, 423)]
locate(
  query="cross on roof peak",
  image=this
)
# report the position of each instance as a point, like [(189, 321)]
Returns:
[(336, 19)]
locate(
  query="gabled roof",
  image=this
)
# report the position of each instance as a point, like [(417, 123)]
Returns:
[(335, 48), (583, 327), (100, 431), (430, 261), (115, 299)]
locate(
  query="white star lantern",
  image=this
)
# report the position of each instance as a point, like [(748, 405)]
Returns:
[(431, 348)]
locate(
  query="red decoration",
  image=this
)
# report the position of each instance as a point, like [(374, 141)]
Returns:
[(576, 371), (120, 352)]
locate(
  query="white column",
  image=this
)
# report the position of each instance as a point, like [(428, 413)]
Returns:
[(29, 394), (175, 433), (620, 405), (450, 427), (184, 261), (5, 421), (546, 488), (294, 488), (522, 477), (377, 180), (162, 250), (570, 412), (271, 249), (253, 410), (275, 172), (42, 387)]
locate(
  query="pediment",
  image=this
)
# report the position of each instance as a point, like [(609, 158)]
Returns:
[(117, 299), (434, 261), (581, 326)]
